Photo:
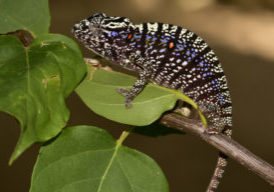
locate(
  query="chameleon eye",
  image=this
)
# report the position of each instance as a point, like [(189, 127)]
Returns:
[(129, 36)]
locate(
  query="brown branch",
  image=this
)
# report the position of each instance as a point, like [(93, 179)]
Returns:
[(228, 146)]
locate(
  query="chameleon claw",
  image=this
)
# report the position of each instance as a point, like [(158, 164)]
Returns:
[(128, 103)]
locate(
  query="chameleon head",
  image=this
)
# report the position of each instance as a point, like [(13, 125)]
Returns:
[(101, 33)]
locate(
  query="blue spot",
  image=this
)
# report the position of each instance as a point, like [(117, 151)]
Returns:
[(201, 63), (112, 34), (180, 47), (187, 52), (162, 50), (193, 54), (148, 37), (132, 44)]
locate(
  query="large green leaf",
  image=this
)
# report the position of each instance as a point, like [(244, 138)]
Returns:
[(88, 159), (34, 83), (31, 15), (99, 93)]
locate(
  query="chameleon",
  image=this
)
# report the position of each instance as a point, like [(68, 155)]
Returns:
[(167, 55)]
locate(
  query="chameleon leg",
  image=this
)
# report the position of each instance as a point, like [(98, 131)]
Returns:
[(211, 112), (138, 86)]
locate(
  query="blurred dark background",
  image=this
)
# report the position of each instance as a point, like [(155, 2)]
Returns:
[(242, 34)]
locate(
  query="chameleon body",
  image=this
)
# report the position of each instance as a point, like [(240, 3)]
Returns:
[(170, 56)]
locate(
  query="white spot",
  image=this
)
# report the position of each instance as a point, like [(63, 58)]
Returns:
[(183, 31), (184, 63), (175, 70), (198, 40), (165, 27), (86, 22), (173, 29), (152, 26)]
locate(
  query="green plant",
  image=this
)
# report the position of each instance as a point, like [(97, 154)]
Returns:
[(38, 71)]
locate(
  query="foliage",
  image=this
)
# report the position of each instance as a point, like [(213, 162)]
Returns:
[(35, 80), (85, 158)]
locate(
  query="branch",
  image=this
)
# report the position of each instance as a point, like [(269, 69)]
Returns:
[(224, 144)]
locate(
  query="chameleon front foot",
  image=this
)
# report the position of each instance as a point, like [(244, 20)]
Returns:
[(128, 95)]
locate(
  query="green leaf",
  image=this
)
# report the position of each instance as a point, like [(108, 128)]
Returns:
[(99, 92), (88, 159), (30, 15), (34, 83), (101, 96)]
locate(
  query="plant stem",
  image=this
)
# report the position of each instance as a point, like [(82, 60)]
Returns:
[(123, 136)]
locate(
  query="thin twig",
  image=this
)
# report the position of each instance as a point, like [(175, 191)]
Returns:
[(224, 144)]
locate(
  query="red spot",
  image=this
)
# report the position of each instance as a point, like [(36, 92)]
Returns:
[(170, 45), (129, 36)]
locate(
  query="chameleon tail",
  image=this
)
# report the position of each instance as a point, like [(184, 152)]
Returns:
[(220, 166), (218, 173)]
